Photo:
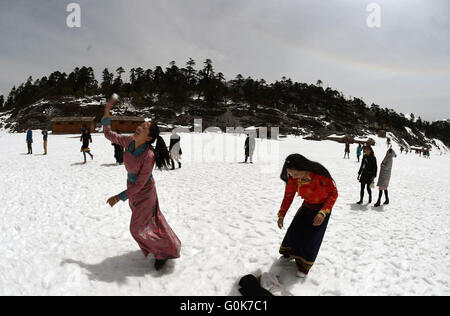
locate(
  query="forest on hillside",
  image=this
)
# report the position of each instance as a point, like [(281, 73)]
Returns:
[(174, 87)]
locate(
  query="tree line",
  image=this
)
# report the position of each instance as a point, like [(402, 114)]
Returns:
[(175, 87)]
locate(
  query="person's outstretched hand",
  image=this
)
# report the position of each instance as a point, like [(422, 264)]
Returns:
[(110, 104), (113, 200)]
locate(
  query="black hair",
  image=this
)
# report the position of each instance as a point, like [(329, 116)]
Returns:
[(301, 163), (371, 150), (162, 156)]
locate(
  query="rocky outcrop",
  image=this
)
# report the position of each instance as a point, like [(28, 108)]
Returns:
[(40, 114)]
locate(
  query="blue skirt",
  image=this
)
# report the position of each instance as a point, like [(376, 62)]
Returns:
[(303, 240)]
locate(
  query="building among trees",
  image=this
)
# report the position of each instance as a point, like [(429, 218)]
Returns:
[(126, 124), (72, 125)]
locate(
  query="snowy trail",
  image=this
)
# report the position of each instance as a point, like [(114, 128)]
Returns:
[(59, 237)]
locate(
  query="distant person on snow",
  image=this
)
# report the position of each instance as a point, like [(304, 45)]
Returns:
[(385, 176), (86, 139), (347, 150), (311, 181), (359, 151), (148, 225), (175, 149), (249, 146), (367, 172), (44, 138), (118, 151), (29, 141)]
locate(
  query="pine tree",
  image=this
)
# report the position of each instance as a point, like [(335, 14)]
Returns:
[(117, 85), (11, 99), (107, 81), (132, 76), (190, 72)]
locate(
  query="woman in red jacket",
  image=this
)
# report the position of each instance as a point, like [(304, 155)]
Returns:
[(314, 184)]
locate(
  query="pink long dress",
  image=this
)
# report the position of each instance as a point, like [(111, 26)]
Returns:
[(148, 225)]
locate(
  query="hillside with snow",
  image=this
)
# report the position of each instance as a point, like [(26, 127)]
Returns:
[(59, 237), (314, 127)]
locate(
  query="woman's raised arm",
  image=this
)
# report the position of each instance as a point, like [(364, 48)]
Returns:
[(115, 138)]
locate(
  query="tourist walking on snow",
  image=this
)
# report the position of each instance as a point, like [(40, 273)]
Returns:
[(29, 141), (385, 176), (311, 181), (148, 225), (367, 173), (359, 151), (118, 151), (347, 150), (44, 138), (175, 149), (86, 139), (249, 147)]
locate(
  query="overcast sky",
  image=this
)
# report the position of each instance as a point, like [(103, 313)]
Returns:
[(404, 64)]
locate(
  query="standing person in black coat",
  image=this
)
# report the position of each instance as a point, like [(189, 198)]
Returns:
[(367, 172), (86, 138), (249, 146), (175, 149), (118, 151), (45, 136)]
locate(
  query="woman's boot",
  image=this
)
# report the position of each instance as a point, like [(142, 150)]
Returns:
[(379, 199), (387, 197)]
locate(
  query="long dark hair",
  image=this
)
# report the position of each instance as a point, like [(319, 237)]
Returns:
[(301, 163), (162, 157)]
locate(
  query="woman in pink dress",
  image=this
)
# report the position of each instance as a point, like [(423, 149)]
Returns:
[(148, 225)]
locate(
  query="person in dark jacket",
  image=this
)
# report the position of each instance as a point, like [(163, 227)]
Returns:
[(44, 137), (118, 151), (175, 149), (29, 141), (249, 147), (367, 172), (86, 139)]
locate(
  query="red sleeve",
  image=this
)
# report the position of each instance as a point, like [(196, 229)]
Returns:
[(332, 195), (289, 194)]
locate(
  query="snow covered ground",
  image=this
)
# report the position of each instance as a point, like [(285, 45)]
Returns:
[(59, 237)]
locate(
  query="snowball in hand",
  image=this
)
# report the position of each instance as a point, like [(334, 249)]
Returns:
[(115, 96)]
